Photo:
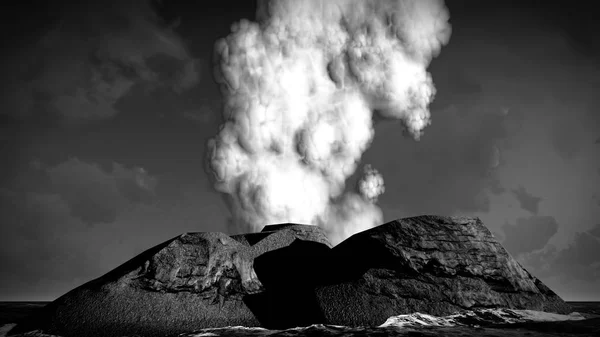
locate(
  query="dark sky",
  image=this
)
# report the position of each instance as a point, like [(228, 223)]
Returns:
[(106, 108)]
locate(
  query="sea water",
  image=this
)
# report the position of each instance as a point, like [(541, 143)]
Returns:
[(483, 322)]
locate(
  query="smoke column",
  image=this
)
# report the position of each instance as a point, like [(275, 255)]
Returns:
[(300, 86)]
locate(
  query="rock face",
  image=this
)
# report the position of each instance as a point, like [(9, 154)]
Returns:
[(193, 281), (428, 264), (288, 275)]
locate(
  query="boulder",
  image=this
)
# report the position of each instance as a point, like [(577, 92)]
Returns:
[(193, 281), (428, 264)]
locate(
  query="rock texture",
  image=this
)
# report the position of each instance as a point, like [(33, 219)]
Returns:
[(193, 281), (288, 275), (428, 264)]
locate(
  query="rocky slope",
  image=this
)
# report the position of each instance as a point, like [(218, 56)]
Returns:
[(428, 264), (193, 281), (288, 275)]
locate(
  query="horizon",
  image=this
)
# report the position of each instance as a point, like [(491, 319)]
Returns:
[(112, 119)]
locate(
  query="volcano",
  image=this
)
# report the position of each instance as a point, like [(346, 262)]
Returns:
[(289, 275)]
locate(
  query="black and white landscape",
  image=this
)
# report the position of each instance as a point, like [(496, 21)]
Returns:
[(342, 164)]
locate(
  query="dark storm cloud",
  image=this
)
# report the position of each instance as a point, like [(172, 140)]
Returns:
[(96, 195), (597, 141), (90, 58), (45, 250), (595, 231), (45, 217), (578, 261), (527, 201), (581, 259), (539, 261), (529, 234), (33, 228)]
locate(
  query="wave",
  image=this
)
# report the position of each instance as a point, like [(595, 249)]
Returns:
[(472, 318), (480, 317)]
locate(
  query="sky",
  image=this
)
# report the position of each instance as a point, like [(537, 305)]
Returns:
[(106, 110)]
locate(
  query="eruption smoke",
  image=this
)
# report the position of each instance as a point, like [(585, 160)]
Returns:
[(299, 87), (371, 185)]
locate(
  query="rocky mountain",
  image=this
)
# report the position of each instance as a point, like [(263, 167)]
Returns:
[(288, 275)]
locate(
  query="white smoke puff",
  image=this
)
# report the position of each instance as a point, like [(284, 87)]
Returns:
[(299, 88), (349, 215), (371, 186)]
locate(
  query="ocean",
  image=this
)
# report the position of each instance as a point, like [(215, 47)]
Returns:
[(584, 322)]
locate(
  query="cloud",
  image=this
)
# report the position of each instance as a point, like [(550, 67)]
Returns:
[(452, 169), (33, 230), (564, 141), (300, 86), (527, 201), (95, 195), (93, 56), (46, 216), (540, 261), (529, 234), (460, 88), (595, 231), (581, 259), (46, 249), (578, 261)]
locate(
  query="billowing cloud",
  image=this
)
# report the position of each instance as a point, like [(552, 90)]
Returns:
[(527, 201), (371, 185), (90, 58), (529, 234), (300, 87), (95, 195)]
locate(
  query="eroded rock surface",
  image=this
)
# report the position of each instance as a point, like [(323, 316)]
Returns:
[(288, 275), (194, 281), (429, 264)]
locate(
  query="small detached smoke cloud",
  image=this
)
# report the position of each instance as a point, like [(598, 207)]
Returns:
[(300, 87), (371, 185)]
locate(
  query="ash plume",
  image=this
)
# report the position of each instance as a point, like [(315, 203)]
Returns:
[(300, 86), (371, 186)]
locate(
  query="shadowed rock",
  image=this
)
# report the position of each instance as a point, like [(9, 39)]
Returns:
[(194, 281), (428, 264), (288, 276)]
